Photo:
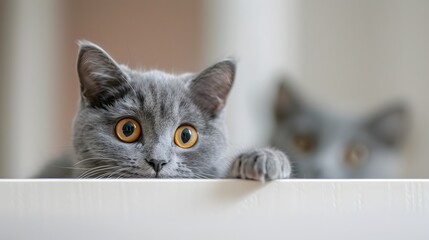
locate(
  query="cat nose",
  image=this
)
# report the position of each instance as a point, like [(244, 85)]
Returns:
[(157, 165)]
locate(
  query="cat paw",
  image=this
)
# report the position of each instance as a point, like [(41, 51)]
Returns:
[(262, 165)]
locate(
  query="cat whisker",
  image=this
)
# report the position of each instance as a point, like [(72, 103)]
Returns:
[(97, 174), (199, 176), (104, 175), (73, 168), (94, 158), (194, 171), (91, 172), (122, 174), (117, 171), (84, 160)]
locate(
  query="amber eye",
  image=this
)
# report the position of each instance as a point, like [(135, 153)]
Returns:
[(355, 154), (185, 136), (305, 143), (128, 130)]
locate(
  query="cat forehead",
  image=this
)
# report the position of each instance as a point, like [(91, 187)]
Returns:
[(324, 119), (159, 79), (159, 87), (155, 75), (159, 97), (329, 128)]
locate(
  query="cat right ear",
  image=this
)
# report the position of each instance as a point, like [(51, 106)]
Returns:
[(391, 124), (286, 102), (211, 87), (101, 79)]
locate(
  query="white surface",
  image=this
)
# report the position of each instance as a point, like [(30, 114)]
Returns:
[(214, 209)]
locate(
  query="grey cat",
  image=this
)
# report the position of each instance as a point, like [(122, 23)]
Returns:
[(324, 145), (152, 124)]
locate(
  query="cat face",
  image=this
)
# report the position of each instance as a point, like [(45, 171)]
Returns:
[(149, 124), (323, 145)]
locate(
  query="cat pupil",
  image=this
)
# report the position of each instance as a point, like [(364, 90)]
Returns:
[(186, 135), (128, 129)]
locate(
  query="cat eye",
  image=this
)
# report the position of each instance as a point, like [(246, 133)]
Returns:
[(355, 154), (185, 136), (128, 130), (305, 143)]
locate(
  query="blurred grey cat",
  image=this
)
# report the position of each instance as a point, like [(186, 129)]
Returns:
[(135, 124), (324, 145)]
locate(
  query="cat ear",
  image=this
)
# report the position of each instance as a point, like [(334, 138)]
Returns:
[(390, 125), (101, 79), (286, 102), (211, 87)]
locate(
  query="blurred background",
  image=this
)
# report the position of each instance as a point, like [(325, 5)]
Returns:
[(350, 56)]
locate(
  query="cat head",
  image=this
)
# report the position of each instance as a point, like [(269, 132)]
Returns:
[(324, 145), (149, 123)]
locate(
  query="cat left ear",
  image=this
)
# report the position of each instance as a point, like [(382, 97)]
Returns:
[(211, 87), (101, 79), (390, 125), (287, 102)]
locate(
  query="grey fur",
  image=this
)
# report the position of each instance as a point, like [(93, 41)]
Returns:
[(380, 135), (160, 102), (261, 164)]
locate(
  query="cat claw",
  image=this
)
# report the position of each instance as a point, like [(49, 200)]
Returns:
[(261, 165)]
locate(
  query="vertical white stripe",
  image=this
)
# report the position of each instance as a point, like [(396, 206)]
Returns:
[(31, 105), (262, 35)]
